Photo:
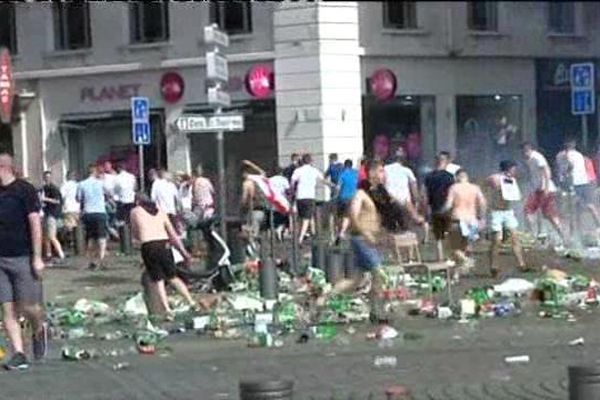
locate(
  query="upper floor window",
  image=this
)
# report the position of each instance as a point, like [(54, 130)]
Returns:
[(8, 27), (482, 15), (400, 15), (72, 26), (149, 22), (561, 17), (234, 17)]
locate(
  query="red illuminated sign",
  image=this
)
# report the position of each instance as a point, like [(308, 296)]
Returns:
[(383, 84), (260, 81), (7, 86), (172, 87)]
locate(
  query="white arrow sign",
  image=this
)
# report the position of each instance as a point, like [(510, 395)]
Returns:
[(217, 96), (212, 35), (216, 66), (211, 123)]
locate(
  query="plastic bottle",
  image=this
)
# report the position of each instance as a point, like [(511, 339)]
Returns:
[(385, 361)]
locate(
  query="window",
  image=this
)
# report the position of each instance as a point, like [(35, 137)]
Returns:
[(400, 15), (149, 22), (8, 29), (72, 26), (482, 16), (234, 17), (561, 17)]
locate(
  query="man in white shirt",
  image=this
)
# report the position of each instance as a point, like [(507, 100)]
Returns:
[(124, 191), (573, 173), (281, 185), (109, 176), (71, 207), (543, 190), (166, 196), (400, 181), (304, 181)]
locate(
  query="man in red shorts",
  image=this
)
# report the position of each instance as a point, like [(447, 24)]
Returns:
[(543, 195)]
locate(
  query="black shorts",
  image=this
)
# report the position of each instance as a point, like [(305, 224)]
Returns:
[(440, 224), (158, 260), (306, 208), (343, 206), (280, 219), (95, 225), (124, 211)]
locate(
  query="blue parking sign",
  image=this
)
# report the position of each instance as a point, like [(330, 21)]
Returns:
[(583, 96), (140, 121), (141, 133)]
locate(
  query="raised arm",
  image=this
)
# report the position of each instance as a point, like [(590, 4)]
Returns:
[(255, 167)]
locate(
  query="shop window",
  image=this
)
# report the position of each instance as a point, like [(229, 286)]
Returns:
[(482, 15), (406, 122), (561, 17), (149, 22), (234, 17), (400, 15), (489, 130), (8, 27), (72, 26)]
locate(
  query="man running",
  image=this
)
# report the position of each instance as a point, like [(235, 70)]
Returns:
[(125, 187), (365, 221), (467, 206), (289, 170), (401, 183), (21, 264), (451, 167), (347, 188), (203, 195), (166, 196), (52, 206), (304, 180), (437, 185), (71, 207), (573, 173), (543, 195), (91, 194), (504, 192)]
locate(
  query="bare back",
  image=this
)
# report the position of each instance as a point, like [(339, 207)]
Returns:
[(465, 200), (364, 216)]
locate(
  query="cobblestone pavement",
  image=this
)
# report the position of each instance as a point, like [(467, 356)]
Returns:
[(451, 361)]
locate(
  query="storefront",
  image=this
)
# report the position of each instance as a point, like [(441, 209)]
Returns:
[(479, 110), (555, 120), (86, 119)]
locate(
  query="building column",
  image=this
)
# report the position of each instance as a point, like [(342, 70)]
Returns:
[(446, 130), (178, 144), (318, 81)]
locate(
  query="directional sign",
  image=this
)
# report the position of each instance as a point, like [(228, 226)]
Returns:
[(140, 120), (216, 66), (211, 123), (216, 95), (583, 96), (141, 133), (212, 35)]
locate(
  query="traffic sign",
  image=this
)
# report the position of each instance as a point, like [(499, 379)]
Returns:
[(140, 120), (217, 96), (140, 109), (216, 66), (210, 123), (212, 35), (583, 95), (141, 133)]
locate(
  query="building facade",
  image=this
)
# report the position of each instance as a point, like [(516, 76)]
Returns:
[(468, 77)]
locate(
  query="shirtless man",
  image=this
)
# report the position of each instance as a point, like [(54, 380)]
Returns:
[(253, 205), (466, 205), (365, 226), (504, 192)]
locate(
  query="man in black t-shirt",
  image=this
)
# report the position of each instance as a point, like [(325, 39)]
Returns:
[(437, 186), (52, 207), (21, 263), (289, 170)]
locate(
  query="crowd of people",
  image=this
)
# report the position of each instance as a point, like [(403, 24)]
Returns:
[(377, 198)]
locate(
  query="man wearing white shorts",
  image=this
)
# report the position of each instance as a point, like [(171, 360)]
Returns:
[(504, 192)]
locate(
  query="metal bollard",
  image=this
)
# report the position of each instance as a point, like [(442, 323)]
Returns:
[(268, 279), (266, 390), (319, 249), (584, 383), (79, 242), (334, 266), (125, 239), (351, 270)]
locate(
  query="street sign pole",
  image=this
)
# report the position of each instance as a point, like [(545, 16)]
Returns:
[(141, 167), (221, 166), (584, 132)]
